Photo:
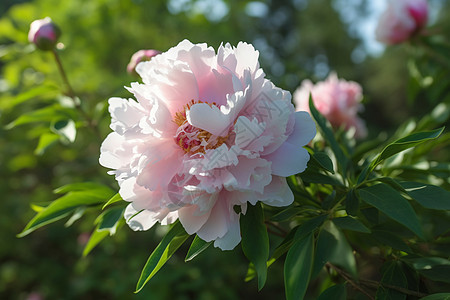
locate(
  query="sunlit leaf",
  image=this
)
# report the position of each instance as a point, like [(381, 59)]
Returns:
[(197, 246), (429, 196), (162, 253)]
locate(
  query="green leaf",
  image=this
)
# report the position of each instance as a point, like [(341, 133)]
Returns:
[(351, 203), (94, 240), (165, 249), (391, 203), (405, 143), (328, 134), (79, 212), (109, 219), (350, 223), (61, 207), (100, 189), (297, 268), (393, 275), (40, 91), (45, 141), (309, 226), (435, 268), (332, 246), (198, 246), (429, 196), (286, 214), (46, 114), (391, 239), (114, 199), (336, 292), (255, 241), (322, 159), (438, 296)]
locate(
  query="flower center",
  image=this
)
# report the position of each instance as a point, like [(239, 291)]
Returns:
[(192, 139)]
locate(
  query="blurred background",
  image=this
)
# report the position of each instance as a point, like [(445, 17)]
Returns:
[(297, 39)]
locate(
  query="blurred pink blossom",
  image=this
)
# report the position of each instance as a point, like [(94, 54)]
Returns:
[(207, 133), (338, 100), (401, 20), (141, 55), (44, 34)]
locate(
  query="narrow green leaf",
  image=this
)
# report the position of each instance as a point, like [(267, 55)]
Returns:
[(350, 223), (286, 214), (429, 196), (405, 143), (392, 275), (351, 203), (86, 186), (328, 134), (79, 212), (255, 241), (166, 248), (309, 226), (336, 292), (438, 296), (61, 207), (96, 237), (391, 203), (198, 246), (297, 268), (46, 114), (109, 219), (113, 199)]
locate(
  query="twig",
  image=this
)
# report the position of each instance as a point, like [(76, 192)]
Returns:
[(349, 280)]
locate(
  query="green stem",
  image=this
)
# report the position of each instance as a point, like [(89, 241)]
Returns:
[(91, 123)]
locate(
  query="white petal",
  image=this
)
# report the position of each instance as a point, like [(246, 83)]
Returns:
[(304, 129), (232, 238), (277, 193)]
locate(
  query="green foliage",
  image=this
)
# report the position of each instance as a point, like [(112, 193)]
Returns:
[(359, 203)]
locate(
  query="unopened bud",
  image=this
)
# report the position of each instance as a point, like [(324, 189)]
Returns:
[(141, 55), (44, 34)]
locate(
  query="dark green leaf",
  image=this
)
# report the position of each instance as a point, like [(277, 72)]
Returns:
[(405, 143), (435, 268), (391, 239), (392, 275), (286, 214), (312, 176), (351, 203), (328, 134), (309, 226), (350, 223), (429, 196), (297, 268), (336, 292), (166, 248), (438, 296), (65, 128), (255, 241), (322, 159), (390, 202), (198, 246), (109, 219)]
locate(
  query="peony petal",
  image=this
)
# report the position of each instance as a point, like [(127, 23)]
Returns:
[(191, 219), (304, 129), (278, 193), (288, 160), (232, 238)]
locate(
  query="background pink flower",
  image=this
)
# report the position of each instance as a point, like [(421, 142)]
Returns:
[(401, 20), (207, 133), (338, 100), (141, 55)]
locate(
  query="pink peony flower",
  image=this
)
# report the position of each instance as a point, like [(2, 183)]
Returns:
[(207, 133), (141, 55), (401, 20), (338, 100), (44, 34)]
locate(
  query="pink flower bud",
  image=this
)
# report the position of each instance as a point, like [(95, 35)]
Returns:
[(44, 34), (401, 20), (141, 55)]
